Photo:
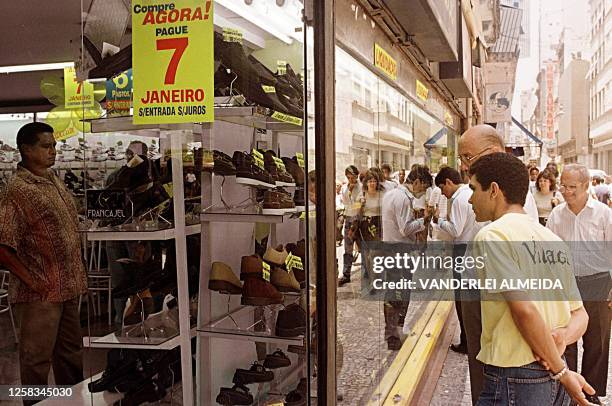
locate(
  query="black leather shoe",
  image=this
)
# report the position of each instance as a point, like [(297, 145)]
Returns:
[(394, 343), (276, 360), (237, 395), (150, 391), (257, 373), (223, 164), (460, 348), (343, 281)]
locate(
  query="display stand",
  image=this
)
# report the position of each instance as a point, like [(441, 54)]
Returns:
[(176, 133), (237, 324)]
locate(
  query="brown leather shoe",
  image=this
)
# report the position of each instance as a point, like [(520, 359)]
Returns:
[(299, 250), (276, 165), (296, 171), (276, 256), (283, 280), (257, 289), (223, 279), (272, 203)]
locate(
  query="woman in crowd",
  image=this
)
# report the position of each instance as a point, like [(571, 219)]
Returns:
[(546, 195), (370, 225)]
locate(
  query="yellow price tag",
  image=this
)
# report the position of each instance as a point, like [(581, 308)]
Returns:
[(232, 35), (286, 118), (282, 67), (300, 159), (279, 163), (258, 158), (266, 271), (268, 89)]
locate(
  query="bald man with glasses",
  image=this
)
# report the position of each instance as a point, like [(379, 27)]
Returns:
[(479, 141)]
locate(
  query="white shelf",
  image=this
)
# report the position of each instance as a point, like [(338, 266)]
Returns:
[(126, 125), (156, 235), (134, 343), (221, 216), (257, 117), (82, 396)]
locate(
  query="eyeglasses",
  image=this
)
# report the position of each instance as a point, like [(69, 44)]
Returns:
[(567, 188), (469, 159)]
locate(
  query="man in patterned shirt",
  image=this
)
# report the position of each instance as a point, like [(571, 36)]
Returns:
[(41, 247)]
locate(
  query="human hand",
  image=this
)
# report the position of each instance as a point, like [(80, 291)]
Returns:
[(575, 384), (559, 336)]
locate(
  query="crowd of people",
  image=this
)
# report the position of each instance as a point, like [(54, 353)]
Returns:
[(496, 197)]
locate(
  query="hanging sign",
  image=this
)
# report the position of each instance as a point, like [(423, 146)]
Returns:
[(384, 62), (119, 94), (173, 61), (421, 90), (77, 94)]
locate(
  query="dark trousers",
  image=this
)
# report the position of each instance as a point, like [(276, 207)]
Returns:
[(348, 257), (596, 339), (472, 326), (50, 334), (459, 251), (395, 312)]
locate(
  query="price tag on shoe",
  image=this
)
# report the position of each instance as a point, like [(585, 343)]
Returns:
[(232, 35), (279, 163), (293, 262), (300, 159), (265, 273), (281, 67), (258, 158), (268, 89)]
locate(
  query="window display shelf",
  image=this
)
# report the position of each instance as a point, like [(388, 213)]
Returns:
[(82, 396), (143, 235), (239, 325), (126, 124), (255, 116), (152, 343), (219, 215)]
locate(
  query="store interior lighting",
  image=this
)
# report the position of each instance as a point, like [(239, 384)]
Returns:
[(36, 67), (280, 26)]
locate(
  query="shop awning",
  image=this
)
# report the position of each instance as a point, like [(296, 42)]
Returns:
[(430, 143), (527, 132)]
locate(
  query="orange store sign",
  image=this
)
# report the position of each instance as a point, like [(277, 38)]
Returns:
[(384, 62)]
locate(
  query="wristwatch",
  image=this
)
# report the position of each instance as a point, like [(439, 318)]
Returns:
[(559, 374)]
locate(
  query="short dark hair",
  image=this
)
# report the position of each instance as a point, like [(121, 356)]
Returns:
[(533, 168), (351, 170), (507, 171), (421, 173), (378, 172), (385, 166), (28, 134), (546, 174), (448, 173)]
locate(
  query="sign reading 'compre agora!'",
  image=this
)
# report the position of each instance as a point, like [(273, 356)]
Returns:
[(172, 51)]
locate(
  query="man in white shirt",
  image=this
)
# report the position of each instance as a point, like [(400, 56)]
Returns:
[(533, 178), (400, 225), (388, 183), (586, 224), (460, 225), (475, 143), (351, 195)]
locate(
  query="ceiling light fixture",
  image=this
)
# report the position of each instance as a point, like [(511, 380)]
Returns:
[(37, 67)]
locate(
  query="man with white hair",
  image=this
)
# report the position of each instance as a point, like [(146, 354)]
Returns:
[(586, 224), (475, 143)]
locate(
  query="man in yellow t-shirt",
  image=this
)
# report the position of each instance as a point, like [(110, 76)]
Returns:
[(523, 366)]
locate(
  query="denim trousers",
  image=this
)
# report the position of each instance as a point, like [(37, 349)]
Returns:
[(528, 385)]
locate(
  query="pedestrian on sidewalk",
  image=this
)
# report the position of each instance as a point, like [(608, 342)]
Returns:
[(399, 224), (523, 365), (351, 195), (475, 143), (586, 223), (41, 247), (460, 225)]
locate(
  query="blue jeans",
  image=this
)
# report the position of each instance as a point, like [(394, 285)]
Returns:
[(521, 386)]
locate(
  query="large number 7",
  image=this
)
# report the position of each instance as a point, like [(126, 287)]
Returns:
[(179, 45)]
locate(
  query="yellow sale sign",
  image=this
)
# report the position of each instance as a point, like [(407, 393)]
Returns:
[(77, 94), (172, 61)]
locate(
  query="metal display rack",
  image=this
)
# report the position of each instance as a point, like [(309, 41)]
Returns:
[(237, 324)]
